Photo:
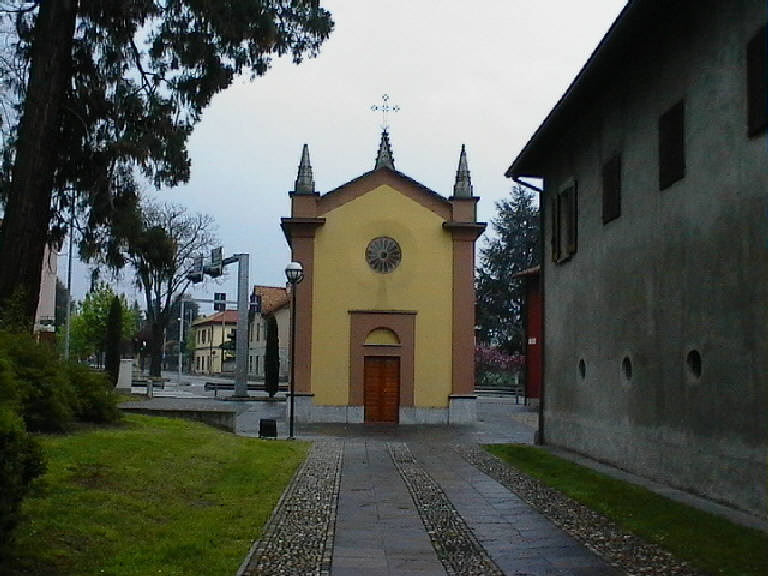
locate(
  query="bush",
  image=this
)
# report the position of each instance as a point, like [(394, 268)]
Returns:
[(49, 394), (96, 398), (22, 461), (43, 388)]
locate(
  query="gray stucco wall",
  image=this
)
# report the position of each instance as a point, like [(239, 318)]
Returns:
[(681, 269)]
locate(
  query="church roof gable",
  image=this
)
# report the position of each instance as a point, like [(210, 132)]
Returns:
[(404, 184)]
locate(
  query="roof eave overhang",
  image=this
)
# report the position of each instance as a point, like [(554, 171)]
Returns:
[(529, 163)]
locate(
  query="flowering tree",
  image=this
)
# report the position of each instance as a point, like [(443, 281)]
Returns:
[(494, 367)]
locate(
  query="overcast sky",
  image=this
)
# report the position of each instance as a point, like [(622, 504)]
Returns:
[(483, 73)]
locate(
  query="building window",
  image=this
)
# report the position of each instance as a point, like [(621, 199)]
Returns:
[(612, 189), (565, 223), (672, 145), (258, 332), (197, 363), (757, 83), (204, 333)]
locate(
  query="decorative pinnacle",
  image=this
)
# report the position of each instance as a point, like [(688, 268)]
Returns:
[(305, 184), (463, 185), (384, 156)]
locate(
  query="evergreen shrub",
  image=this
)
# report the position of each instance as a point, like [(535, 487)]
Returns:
[(96, 397), (272, 358), (22, 461), (45, 395), (50, 394)]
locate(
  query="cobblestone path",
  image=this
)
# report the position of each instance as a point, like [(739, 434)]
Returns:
[(298, 539)]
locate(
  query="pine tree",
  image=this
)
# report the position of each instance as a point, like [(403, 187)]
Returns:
[(109, 87), (272, 358), (113, 338), (513, 248)]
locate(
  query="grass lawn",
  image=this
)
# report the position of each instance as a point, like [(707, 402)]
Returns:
[(151, 496), (708, 542)]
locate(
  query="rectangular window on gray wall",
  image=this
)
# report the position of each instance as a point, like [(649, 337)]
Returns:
[(672, 145), (612, 189), (564, 223), (757, 83)]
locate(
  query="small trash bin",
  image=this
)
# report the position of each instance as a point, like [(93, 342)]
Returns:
[(267, 428)]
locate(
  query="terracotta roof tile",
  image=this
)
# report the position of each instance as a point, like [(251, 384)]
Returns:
[(228, 316), (272, 298)]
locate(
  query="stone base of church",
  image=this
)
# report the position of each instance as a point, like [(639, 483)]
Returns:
[(307, 411), (462, 409), (419, 415)]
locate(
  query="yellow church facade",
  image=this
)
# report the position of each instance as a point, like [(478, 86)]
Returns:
[(385, 313)]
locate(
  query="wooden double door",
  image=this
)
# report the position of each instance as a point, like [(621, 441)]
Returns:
[(382, 388)]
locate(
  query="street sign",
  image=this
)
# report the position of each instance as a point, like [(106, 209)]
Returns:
[(216, 263), (196, 275), (219, 301)]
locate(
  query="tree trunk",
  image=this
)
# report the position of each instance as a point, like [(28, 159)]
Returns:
[(28, 210), (156, 348)]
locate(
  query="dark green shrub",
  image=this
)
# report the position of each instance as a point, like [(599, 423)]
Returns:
[(42, 386), (95, 394), (272, 358), (21, 462)]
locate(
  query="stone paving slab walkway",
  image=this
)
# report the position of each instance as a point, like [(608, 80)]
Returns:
[(378, 528), (517, 538), (373, 507)]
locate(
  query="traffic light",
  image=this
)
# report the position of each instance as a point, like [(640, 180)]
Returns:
[(196, 274), (217, 266), (231, 342)]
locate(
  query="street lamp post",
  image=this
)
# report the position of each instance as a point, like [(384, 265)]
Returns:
[(294, 272)]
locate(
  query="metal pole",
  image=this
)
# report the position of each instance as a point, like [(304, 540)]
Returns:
[(181, 333), (68, 314), (241, 367), (293, 354)]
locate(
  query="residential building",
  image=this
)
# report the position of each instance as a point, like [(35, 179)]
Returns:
[(214, 336), (655, 261), (275, 301)]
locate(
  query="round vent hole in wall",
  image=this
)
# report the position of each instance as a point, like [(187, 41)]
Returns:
[(693, 360), (626, 368)]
